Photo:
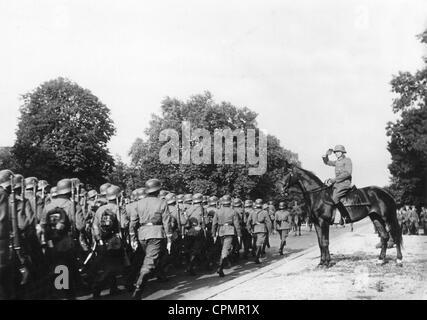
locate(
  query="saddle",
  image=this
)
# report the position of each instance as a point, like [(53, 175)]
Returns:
[(354, 197)]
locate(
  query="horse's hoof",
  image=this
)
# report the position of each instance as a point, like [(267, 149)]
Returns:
[(399, 263), (380, 262)]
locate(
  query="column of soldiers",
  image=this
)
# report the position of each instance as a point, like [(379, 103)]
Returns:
[(410, 221), (99, 236)]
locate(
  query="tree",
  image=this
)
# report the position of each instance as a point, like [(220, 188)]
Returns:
[(63, 131), (408, 136), (7, 161), (211, 179)]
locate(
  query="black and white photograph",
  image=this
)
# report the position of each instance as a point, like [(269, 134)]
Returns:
[(231, 152)]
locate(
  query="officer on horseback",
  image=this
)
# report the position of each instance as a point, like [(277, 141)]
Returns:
[(343, 171)]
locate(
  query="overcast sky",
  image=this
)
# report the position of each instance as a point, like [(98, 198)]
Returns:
[(317, 72)]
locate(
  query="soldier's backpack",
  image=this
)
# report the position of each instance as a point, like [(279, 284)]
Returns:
[(109, 224), (58, 224)]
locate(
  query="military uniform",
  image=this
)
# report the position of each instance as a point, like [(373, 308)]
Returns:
[(152, 216), (62, 250), (260, 224), (343, 172), (111, 260), (282, 223), (5, 262), (227, 222), (195, 234)]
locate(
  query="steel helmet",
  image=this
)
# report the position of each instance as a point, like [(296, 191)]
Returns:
[(213, 201), (5, 178), (226, 199), (113, 192), (197, 198), (205, 199), (265, 206), (18, 179), (180, 198), (340, 148), (43, 184), (92, 194), (271, 203), (140, 193), (282, 205), (170, 198), (163, 193), (237, 202), (258, 203), (152, 185), (188, 198), (248, 203), (31, 183), (103, 188), (63, 186), (53, 191)]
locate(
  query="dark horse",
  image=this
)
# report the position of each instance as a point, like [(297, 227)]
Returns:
[(381, 209)]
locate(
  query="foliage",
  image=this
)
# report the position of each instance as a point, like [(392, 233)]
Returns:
[(408, 136), (63, 131)]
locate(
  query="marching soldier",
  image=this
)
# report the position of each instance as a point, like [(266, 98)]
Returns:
[(195, 231), (5, 261), (57, 221), (260, 225), (267, 239), (237, 207), (271, 210), (30, 244), (413, 221), (31, 184), (297, 218), (106, 229), (101, 199), (152, 217), (13, 264), (227, 222), (177, 228), (180, 202), (282, 224), (212, 246), (342, 181), (246, 235)]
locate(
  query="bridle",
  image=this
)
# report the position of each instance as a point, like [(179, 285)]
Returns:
[(316, 190)]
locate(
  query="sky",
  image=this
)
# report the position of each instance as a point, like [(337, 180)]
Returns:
[(316, 72)]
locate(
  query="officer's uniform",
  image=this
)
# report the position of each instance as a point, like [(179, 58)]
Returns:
[(227, 222), (239, 211), (260, 224), (152, 216), (212, 248), (343, 172), (249, 242), (282, 223)]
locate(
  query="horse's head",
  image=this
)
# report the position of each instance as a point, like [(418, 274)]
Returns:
[(289, 179)]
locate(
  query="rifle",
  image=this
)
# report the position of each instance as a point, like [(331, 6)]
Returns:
[(15, 241)]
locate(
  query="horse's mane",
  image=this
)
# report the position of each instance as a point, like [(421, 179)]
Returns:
[(311, 175)]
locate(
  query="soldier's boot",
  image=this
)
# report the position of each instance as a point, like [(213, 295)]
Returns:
[(258, 255), (220, 270), (282, 245), (137, 293)]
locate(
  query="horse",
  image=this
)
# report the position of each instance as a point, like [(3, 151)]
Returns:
[(380, 207)]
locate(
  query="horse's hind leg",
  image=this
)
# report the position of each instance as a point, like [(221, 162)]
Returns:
[(380, 226)]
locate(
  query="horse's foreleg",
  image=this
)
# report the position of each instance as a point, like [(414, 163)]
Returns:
[(325, 241), (319, 239)]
